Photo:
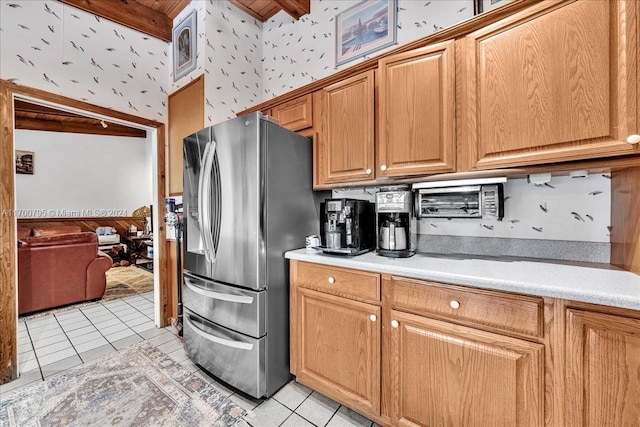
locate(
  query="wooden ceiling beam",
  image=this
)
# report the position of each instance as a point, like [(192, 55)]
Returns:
[(130, 14), (295, 8), (112, 129), (259, 9), (30, 116)]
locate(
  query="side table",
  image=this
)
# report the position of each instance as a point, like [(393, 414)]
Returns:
[(137, 250)]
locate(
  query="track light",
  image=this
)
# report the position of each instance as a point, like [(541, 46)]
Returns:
[(104, 125)]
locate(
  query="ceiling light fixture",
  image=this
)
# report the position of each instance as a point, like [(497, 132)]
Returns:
[(104, 125)]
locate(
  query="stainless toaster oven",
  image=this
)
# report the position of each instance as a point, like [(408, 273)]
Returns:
[(466, 201)]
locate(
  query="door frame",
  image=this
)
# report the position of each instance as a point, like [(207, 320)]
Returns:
[(8, 222)]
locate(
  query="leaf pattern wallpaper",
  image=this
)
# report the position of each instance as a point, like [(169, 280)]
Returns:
[(60, 49), (296, 53), (574, 209)]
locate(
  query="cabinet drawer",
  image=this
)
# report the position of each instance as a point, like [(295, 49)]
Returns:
[(296, 114), (512, 313), (354, 284)]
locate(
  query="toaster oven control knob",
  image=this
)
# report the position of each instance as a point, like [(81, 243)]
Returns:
[(331, 279), (454, 304), (368, 171), (394, 323), (383, 168), (633, 139), (373, 318)]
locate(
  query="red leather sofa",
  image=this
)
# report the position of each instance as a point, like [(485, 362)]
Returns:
[(59, 266)]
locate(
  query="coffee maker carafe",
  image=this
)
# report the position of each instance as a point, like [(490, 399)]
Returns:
[(394, 209)]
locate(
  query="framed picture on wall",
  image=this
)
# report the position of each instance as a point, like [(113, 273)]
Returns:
[(24, 162), (486, 5), (365, 28), (184, 46)]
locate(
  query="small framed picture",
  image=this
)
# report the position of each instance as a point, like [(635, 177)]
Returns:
[(365, 28), (184, 46), (24, 162), (486, 5)]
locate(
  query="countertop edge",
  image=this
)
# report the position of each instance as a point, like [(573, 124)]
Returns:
[(593, 293)]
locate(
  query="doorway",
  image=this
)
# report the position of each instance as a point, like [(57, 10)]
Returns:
[(9, 92)]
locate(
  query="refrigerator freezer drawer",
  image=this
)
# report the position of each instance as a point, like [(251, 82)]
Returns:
[(232, 357), (239, 309)]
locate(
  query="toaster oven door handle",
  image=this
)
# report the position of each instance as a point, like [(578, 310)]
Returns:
[(465, 189)]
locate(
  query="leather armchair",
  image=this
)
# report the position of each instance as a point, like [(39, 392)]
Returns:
[(59, 269)]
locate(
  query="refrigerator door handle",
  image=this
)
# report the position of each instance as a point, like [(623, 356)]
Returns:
[(222, 341), (204, 201), (217, 295)]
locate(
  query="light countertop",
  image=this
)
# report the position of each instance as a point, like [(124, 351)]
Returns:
[(592, 283)]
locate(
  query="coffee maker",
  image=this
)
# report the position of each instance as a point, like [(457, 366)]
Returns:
[(394, 209), (347, 226)]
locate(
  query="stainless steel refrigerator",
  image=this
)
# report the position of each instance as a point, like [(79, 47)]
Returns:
[(247, 199)]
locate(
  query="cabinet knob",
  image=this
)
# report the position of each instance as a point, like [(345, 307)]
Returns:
[(373, 317), (331, 279), (454, 304), (368, 171), (383, 168), (394, 323), (633, 139)]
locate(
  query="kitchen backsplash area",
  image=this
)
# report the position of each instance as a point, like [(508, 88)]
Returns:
[(565, 219)]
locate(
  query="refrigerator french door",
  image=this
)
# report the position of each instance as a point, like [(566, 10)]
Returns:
[(247, 199)]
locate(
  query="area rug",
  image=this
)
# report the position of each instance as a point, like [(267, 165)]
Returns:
[(123, 281), (137, 386)]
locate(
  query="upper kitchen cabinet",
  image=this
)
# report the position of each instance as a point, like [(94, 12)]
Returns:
[(296, 114), (554, 82), (416, 110), (186, 116), (344, 144)]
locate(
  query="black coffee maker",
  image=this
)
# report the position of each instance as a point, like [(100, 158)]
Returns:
[(347, 226)]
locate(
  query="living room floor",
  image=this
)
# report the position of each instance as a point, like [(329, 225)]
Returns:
[(61, 339)]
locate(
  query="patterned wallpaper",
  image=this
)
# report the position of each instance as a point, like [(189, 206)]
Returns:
[(576, 209), (573, 209), (58, 48), (229, 55), (233, 80), (296, 53)]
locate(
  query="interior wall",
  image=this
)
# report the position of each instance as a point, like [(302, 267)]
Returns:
[(570, 209), (63, 50), (296, 53), (77, 175)]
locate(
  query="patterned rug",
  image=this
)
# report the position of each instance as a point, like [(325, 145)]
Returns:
[(123, 281), (137, 386)]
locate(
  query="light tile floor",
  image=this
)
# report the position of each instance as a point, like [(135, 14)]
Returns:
[(62, 339)]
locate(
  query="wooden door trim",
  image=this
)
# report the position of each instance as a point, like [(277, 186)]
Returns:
[(8, 250), (199, 81)]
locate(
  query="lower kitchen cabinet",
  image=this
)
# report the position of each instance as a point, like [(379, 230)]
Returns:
[(446, 374), (339, 348), (602, 369)]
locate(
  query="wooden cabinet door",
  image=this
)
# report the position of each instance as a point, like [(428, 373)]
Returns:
[(296, 114), (603, 369), (416, 110), (552, 83), (186, 116), (345, 151), (339, 348), (444, 374)]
